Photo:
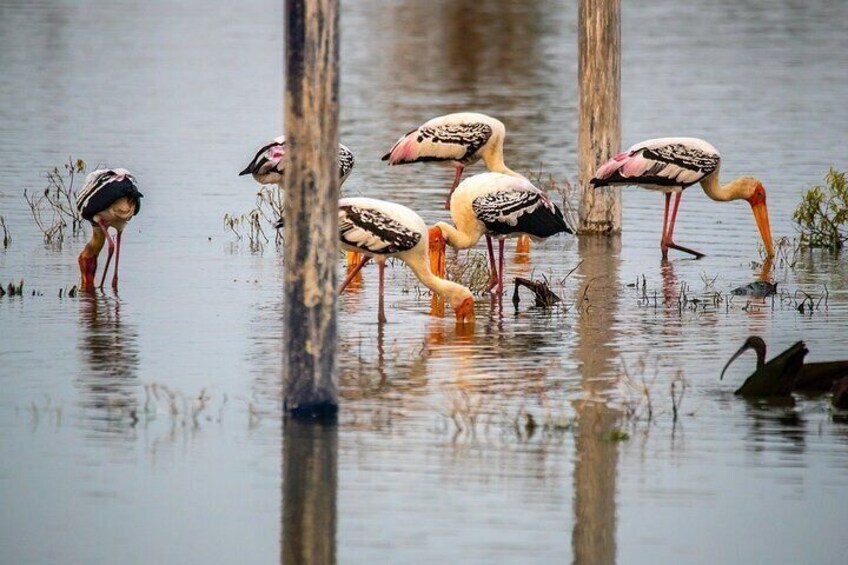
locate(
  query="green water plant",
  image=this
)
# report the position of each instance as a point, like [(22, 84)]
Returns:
[(822, 215)]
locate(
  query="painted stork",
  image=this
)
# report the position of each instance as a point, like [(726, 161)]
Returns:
[(267, 166), (379, 230), (672, 164), (109, 198), (459, 139), (499, 206)]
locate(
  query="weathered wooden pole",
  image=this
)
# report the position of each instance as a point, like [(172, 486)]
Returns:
[(599, 135), (311, 186)]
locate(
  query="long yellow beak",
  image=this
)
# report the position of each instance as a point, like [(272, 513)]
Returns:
[(761, 216), (437, 244)]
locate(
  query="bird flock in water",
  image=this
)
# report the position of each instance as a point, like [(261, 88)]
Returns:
[(498, 204)]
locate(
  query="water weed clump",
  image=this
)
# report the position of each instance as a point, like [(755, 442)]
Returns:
[(7, 237), (268, 210), (569, 194), (822, 215), (54, 207), (471, 272)]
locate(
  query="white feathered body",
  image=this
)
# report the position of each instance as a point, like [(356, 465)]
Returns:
[(462, 138), (380, 229), (504, 206), (668, 164), (268, 165)]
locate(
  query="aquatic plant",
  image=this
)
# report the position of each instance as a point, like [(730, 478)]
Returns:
[(822, 215), (7, 237), (471, 272), (568, 193), (54, 207), (268, 210)]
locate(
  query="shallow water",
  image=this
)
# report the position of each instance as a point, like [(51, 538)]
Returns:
[(146, 426)]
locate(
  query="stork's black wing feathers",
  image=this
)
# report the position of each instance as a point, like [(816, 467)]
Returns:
[(371, 230), (103, 190), (511, 212)]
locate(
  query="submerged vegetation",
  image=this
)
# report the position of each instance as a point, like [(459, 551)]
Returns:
[(54, 207), (7, 237), (822, 215), (268, 210)]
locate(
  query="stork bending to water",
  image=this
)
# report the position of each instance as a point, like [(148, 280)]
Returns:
[(499, 206), (109, 198), (379, 230), (672, 164), (460, 140)]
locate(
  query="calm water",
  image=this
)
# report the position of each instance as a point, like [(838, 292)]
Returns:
[(146, 427)]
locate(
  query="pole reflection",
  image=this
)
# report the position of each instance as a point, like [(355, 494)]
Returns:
[(593, 536), (309, 492)]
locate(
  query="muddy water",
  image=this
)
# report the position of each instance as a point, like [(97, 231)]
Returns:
[(146, 427)]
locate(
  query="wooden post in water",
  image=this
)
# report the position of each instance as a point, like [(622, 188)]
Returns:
[(311, 185), (599, 135)]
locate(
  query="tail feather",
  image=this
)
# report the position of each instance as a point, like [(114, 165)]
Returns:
[(609, 168), (404, 151)]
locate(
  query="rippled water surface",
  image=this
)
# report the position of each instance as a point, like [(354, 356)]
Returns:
[(145, 427)]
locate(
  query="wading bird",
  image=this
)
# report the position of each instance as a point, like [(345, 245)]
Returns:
[(379, 230), (459, 139), (499, 206), (109, 198), (787, 372), (268, 167), (672, 164)]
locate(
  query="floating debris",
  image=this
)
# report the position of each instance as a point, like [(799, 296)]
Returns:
[(544, 296), (756, 289)]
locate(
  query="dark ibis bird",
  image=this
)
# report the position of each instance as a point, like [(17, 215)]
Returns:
[(787, 372), (109, 198)]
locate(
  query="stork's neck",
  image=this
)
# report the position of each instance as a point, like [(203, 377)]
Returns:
[(459, 239), (452, 292), (493, 157), (735, 190)]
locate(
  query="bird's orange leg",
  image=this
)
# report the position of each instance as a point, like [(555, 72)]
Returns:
[(493, 269), (669, 237), (111, 243), (500, 266), (663, 245), (381, 314), (457, 176), (117, 260), (353, 273)]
